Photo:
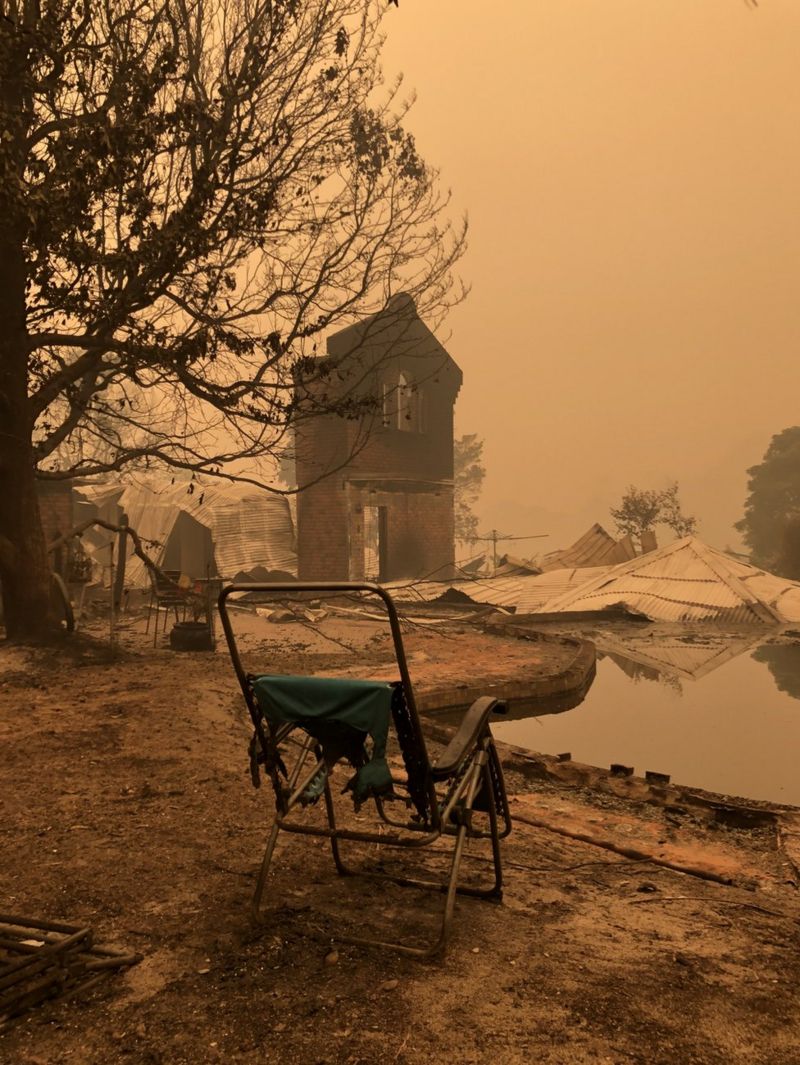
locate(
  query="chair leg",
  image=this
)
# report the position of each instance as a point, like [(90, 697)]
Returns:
[(452, 891), (450, 888), (341, 868), (497, 890), (452, 884), (255, 905), (262, 873)]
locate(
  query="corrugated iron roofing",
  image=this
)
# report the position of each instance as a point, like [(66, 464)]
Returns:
[(250, 527), (688, 581), (685, 581), (594, 548), (525, 594), (252, 530)]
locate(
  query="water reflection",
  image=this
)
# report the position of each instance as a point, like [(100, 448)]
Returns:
[(697, 705), (783, 662), (671, 661), (672, 658), (519, 709), (638, 671)]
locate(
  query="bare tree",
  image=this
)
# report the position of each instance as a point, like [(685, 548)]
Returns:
[(191, 192)]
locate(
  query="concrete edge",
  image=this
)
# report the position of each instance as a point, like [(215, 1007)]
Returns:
[(573, 680)]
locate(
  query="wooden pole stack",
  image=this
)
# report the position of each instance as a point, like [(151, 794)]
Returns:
[(40, 960)]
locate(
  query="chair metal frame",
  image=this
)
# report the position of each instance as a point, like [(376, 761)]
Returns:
[(469, 768), (164, 591)]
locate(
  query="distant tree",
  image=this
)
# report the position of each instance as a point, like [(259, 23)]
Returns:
[(772, 508), (637, 512), (642, 509), (671, 514), (468, 475)]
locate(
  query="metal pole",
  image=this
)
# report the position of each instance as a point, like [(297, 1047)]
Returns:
[(111, 630), (119, 582)]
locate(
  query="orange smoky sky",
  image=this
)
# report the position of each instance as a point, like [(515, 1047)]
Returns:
[(631, 172)]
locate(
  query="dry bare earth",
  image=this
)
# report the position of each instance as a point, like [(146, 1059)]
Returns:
[(126, 805)]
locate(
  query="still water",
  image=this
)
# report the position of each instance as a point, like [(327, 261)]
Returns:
[(733, 729)]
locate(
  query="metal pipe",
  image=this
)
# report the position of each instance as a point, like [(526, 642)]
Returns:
[(358, 837)]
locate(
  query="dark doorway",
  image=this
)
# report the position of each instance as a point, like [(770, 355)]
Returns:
[(376, 523)]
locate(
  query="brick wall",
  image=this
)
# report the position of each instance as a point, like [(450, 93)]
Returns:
[(323, 549), (409, 473), (420, 533), (419, 530), (394, 452), (55, 508), (322, 521)]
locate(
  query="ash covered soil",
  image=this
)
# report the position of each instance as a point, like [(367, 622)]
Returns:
[(126, 804)]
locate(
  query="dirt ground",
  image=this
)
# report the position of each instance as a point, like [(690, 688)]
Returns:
[(126, 804)]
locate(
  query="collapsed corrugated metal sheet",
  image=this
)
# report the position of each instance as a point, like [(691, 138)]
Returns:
[(250, 528), (687, 581), (594, 548), (510, 566), (525, 594), (227, 527), (540, 590), (502, 591)]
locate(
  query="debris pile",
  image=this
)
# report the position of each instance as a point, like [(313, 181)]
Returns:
[(45, 959), (686, 581)]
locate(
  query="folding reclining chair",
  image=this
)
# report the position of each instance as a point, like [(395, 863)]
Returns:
[(461, 795)]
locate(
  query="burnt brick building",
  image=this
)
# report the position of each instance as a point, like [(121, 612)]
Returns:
[(379, 498)]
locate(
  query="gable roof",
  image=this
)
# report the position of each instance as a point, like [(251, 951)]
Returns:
[(398, 334)]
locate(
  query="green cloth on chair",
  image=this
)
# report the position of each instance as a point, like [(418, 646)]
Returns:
[(318, 702)]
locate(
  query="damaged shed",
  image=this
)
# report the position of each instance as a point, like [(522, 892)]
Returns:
[(196, 529)]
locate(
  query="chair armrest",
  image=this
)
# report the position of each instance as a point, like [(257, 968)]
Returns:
[(472, 727)]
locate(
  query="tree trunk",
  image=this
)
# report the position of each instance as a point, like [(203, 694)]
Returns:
[(24, 564)]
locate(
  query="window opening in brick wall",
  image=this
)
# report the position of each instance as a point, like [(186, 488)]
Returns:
[(409, 405)]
